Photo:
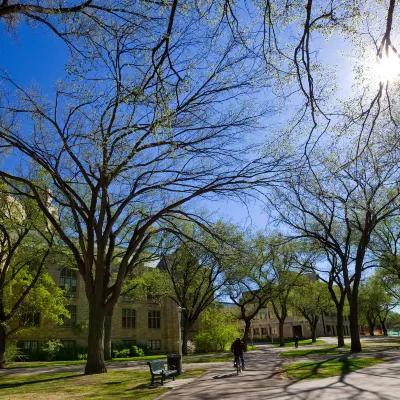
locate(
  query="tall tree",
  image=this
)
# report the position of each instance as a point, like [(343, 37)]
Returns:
[(311, 299), (197, 270), (288, 261), (340, 204), (156, 125)]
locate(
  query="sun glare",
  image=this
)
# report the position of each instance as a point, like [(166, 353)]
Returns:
[(387, 68)]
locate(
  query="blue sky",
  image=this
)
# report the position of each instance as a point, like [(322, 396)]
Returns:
[(36, 55)]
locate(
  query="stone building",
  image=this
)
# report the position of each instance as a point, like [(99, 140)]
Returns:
[(150, 322), (266, 326)]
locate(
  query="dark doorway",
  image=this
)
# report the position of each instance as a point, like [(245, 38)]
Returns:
[(297, 331)]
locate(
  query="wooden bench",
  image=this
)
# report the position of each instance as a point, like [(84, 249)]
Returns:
[(157, 368)]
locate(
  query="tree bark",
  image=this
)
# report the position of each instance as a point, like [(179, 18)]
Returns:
[(371, 327), (107, 335), (246, 331), (354, 333), (339, 321), (95, 362), (3, 338), (281, 338), (313, 333)]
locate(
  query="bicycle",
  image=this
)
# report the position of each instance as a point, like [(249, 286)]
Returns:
[(238, 364)]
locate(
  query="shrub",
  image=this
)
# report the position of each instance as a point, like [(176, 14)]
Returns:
[(146, 349), (82, 356), (115, 353), (51, 348), (136, 351), (14, 353), (124, 353)]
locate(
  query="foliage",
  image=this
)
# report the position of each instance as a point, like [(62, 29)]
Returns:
[(51, 348), (311, 299), (14, 353), (220, 327)]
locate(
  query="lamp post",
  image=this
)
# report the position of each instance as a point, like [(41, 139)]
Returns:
[(179, 309)]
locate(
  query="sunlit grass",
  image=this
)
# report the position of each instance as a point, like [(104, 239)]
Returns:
[(327, 368), (328, 350), (307, 342), (75, 385)]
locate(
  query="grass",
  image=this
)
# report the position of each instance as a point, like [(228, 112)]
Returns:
[(73, 386), (306, 342), (44, 364), (327, 368), (328, 350)]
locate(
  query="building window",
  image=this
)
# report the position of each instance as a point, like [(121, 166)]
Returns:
[(128, 342), (68, 344), (256, 331), (264, 331), (154, 319), (155, 344), (30, 318), (29, 346), (128, 318), (72, 320), (68, 280), (328, 328)]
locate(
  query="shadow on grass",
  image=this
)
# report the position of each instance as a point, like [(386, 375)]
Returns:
[(36, 381), (326, 368)]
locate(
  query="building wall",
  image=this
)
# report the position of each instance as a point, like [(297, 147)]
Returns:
[(166, 333), (266, 326)]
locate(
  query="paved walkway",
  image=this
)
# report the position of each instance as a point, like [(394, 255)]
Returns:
[(261, 380)]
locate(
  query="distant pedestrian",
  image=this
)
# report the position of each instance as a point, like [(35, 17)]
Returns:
[(296, 341)]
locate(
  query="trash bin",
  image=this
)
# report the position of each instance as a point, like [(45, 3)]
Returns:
[(174, 361)]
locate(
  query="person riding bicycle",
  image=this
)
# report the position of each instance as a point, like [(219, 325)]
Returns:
[(238, 348)]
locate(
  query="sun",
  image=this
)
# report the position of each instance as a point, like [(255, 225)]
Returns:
[(387, 68)]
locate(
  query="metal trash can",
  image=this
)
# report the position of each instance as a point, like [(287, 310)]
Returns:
[(174, 361)]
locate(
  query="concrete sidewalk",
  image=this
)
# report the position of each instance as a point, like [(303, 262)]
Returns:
[(261, 380)]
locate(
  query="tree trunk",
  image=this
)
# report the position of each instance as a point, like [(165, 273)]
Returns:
[(281, 338), (384, 329), (3, 339), (246, 331), (339, 320), (313, 329), (185, 336), (371, 326), (107, 335), (95, 361), (354, 333)]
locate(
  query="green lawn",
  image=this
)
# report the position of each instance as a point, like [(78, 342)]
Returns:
[(73, 386), (324, 369), (326, 350), (44, 364), (306, 342)]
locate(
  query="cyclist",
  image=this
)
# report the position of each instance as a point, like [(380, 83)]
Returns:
[(238, 347)]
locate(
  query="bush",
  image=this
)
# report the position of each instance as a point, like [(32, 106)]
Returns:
[(14, 353), (115, 353), (146, 349), (125, 353), (51, 348), (82, 356), (137, 351)]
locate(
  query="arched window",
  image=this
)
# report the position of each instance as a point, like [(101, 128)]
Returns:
[(68, 279)]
